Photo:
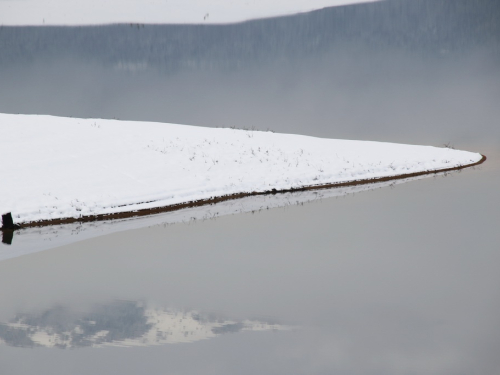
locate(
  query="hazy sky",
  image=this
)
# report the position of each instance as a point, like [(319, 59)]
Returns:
[(93, 12)]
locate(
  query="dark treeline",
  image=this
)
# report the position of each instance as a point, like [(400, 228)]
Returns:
[(420, 27)]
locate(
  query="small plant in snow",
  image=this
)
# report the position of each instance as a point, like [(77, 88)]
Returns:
[(449, 145)]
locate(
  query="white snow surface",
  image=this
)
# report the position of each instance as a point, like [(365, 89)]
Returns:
[(58, 167), (95, 12)]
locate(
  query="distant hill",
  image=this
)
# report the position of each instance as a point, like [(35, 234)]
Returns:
[(416, 27)]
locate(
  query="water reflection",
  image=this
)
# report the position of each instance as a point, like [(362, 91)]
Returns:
[(393, 281), (7, 236), (32, 240), (120, 323)]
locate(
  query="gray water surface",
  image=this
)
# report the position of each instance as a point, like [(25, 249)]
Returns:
[(397, 280), (401, 280)]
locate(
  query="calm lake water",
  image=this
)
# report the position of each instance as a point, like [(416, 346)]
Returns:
[(400, 280)]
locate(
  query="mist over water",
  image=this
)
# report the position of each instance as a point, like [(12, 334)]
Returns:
[(397, 100), (394, 281)]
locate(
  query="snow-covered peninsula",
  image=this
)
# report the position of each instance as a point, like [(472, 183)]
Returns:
[(57, 167), (98, 12)]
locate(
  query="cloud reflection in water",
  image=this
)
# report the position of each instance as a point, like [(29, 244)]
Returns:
[(121, 323)]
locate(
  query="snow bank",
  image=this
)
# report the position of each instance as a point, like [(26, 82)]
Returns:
[(95, 12), (56, 167)]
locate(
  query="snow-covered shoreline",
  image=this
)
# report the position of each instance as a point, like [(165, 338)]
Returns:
[(99, 12), (56, 167)]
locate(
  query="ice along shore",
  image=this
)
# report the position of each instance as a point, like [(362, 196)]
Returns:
[(62, 170)]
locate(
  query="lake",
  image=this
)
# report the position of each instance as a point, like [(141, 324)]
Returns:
[(400, 279)]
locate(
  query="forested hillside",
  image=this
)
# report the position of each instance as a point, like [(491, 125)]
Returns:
[(418, 27)]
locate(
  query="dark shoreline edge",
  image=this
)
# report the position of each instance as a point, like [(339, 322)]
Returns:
[(206, 202)]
